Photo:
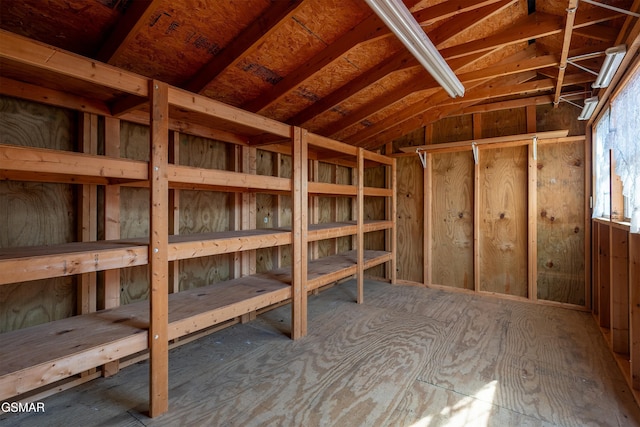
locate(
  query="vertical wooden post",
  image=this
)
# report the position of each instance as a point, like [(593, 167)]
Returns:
[(314, 204), (477, 133), (634, 306), (299, 251), (87, 213), (111, 297), (277, 209), (174, 211), (532, 228), (393, 217), (588, 248), (158, 249), (604, 280), (619, 290), (234, 161), (427, 219), (360, 226), (334, 205), (249, 163)]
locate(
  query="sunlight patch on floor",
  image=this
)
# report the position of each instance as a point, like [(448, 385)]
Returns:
[(469, 411)]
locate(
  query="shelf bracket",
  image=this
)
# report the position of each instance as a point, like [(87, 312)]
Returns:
[(423, 157), (474, 148)]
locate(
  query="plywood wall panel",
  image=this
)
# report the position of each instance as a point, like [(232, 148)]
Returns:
[(36, 213), (409, 221), (560, 223), (204, 212), (504, 122), (563, 117), (503, 221), (452, 220), (134, 212), (451, 129)]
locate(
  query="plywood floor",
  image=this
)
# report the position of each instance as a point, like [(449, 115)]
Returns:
[(407, 357)]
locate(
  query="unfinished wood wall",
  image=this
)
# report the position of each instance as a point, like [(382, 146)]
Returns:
[(452, 211), (503, 221), (503, 203), (36, 213), (410, 219)]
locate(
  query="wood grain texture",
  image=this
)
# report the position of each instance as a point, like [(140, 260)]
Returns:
[(134, 212), (452, 219), (452, 129), (409, 222), (512, 121), (36, 213), (560, 219), (410, 356), (374, 208), (503, 221)]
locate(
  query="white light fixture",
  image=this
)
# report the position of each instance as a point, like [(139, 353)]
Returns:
[(612, 60), (589, 107), (400, 21)]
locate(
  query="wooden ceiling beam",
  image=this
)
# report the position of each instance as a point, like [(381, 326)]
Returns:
[(135, 17), (505, 105), (244, 44), (379, 132), (440, 100), (368, 30), (399, 61), (422, 82), (531, 27), (517, 64), (467, 21), (598, 32), (566, 43)]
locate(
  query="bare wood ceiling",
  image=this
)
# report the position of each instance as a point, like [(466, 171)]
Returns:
[(331, 65)]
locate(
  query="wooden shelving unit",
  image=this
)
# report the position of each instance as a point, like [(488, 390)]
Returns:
[(616, 294), (38, 356)]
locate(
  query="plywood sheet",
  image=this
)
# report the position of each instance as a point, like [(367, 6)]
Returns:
[(505, 122), (452, 220), (503, 221), (560, 222), (459, 128), (410, 222), (36, 214)]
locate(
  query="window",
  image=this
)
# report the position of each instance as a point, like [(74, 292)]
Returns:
[(619, 131)]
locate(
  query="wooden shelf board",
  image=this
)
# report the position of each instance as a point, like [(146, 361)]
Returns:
[(199, 178), (42, 164), (333, 230), (41, 262), (378, 192), (185, 246), (316, 188), (329, 269), (40, 355)]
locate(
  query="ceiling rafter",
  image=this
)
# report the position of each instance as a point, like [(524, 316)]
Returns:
[(135, 17), (517, 33), (566, 43), (400, 61), (370, 29), (439, 100), (534, 26), (244, 44), (379, 133)]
